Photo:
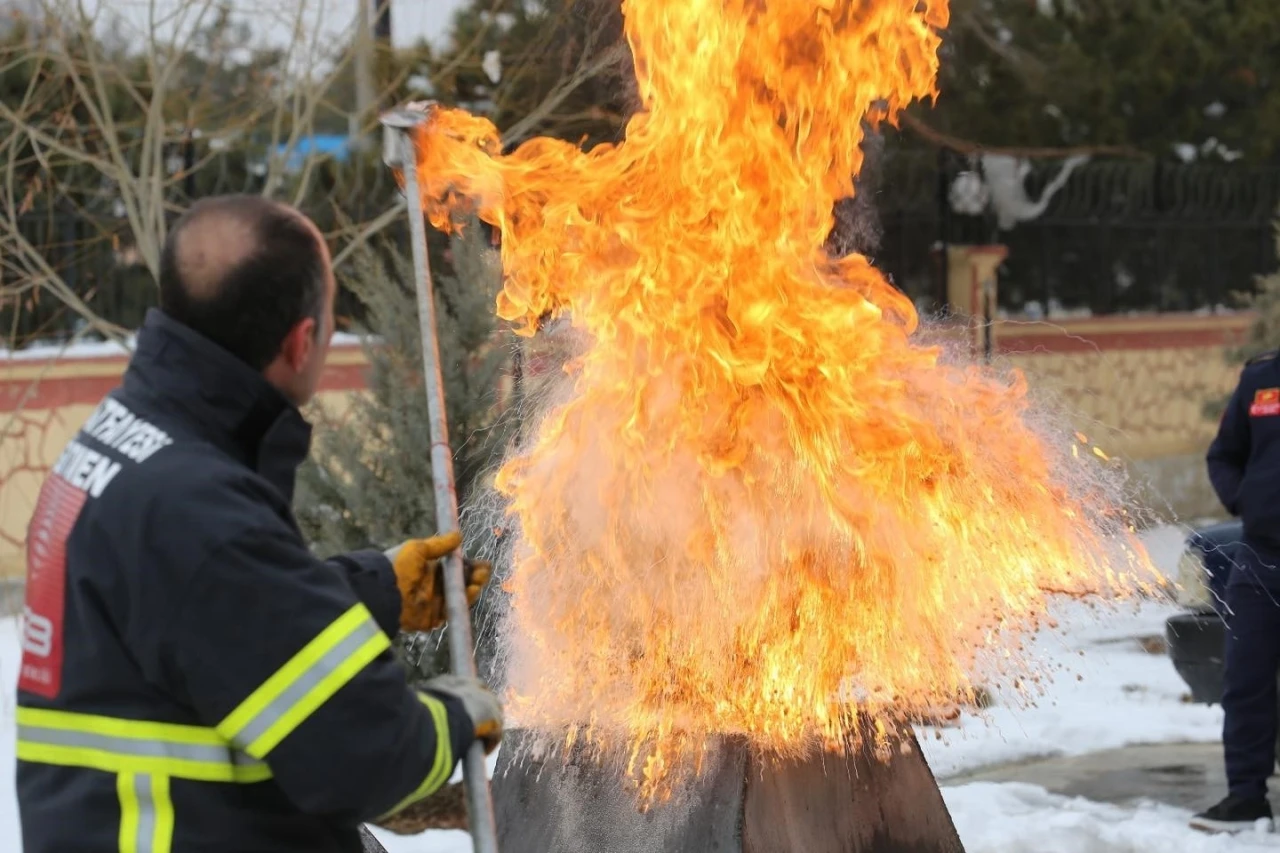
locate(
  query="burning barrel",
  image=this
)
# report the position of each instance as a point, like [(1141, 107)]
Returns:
[(854, 801)]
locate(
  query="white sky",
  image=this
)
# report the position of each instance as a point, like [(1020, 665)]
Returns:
[(410, 19)]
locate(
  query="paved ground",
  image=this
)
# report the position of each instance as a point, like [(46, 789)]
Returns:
[(1188, 776)]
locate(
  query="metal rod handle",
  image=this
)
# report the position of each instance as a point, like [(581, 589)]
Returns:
[(484, 828)]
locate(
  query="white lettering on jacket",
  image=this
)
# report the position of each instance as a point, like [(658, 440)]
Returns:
[(37, 633), (87, 470), (122, 430)]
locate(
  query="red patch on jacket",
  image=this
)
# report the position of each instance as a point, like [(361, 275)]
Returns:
[(1266, 403), (56, 512)]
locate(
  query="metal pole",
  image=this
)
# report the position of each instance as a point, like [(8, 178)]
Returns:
[(401, 126), (364, 76)]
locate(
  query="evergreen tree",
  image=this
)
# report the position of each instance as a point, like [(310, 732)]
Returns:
[(369, 480), (1147, 74), (562, 68), (1264, 334)]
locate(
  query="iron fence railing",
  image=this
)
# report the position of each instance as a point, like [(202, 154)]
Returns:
[(1116, 236), (82, 234)]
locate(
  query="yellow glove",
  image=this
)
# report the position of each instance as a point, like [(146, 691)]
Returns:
[(419, 567)]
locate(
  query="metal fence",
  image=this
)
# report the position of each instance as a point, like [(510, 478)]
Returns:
[(1116, 237), (87, 243)]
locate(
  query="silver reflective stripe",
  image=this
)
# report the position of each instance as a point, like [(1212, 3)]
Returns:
[(244, 759), (133, 747), (142, 788), (305, 682)]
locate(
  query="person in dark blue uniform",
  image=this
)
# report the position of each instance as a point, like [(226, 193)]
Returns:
[(1244, 467), (193, 678)]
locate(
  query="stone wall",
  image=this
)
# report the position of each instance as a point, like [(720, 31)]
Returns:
[(1137, 387)]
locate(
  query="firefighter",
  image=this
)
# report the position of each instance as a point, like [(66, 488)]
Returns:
[(193, 678), (1244, 467)]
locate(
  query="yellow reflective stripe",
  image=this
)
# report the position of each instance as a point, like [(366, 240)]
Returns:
[(442, 767), (305, 682), (116, 727), (162, 841), (109, 762), (444, 745), (318, 695), (129, 816), (114, 745)]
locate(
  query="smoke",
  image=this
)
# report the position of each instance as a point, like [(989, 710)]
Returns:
[(857, 227)]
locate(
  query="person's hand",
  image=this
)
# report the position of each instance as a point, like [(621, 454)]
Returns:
[(482, 706), (419, 567)]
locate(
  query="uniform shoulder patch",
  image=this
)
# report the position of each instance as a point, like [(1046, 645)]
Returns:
[(1266, 403), (1263, 356)]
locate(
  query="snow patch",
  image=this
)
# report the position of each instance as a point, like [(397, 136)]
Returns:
[(1103, 690), (54, 351), (10, 660), (45, 351), (1016, 818)]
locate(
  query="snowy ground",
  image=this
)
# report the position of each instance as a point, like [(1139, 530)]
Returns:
[(1108, 693), (1013, 818), (109, 349)]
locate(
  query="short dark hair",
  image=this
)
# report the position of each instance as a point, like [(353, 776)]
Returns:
[(248, 299)]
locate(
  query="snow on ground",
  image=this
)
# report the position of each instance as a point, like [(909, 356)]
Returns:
[(1108, 692), (438, 841), (1015, 818), (73, 349), (47, 351), (10, 838)]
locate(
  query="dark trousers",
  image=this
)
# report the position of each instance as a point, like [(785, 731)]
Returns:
[(1249, 694)]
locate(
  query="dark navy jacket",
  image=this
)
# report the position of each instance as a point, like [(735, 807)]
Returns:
[(193, 678), (1244, 467)]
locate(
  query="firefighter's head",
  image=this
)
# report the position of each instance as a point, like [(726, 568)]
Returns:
[(255, 277)]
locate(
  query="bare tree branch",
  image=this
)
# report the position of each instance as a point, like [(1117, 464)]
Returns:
[(103, 116), (365, 232), (586, 70), (1026, 63), (965, 146)]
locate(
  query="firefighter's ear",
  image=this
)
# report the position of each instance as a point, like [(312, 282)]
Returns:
[(298, 346), (296, 369)]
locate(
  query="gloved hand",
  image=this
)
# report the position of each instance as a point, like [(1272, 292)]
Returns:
[(419, 567), (482, 706)]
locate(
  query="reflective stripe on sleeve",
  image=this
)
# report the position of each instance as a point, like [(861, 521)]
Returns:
[(442, 766), (132, 746), (305, 683)]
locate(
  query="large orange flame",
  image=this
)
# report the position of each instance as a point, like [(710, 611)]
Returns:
[(762, 506)]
